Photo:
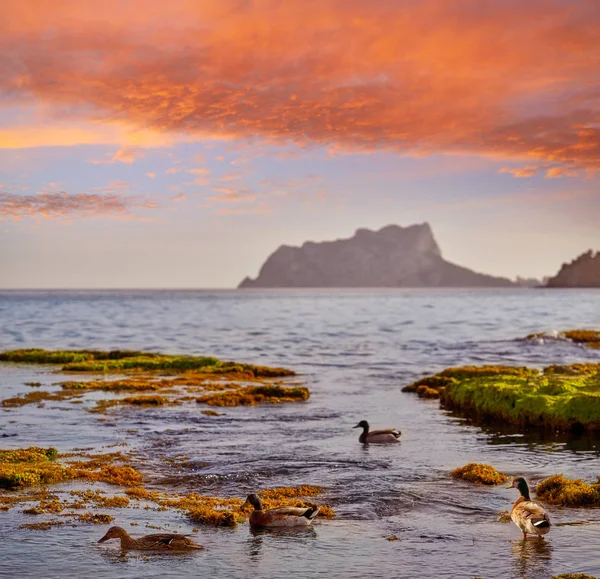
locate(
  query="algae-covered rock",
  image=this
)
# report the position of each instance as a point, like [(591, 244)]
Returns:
[(558, 397), (480, 473), (35, 466), (124, 361), (573, 576), (590, 338), (227, 512), (558, 490), (253, 395)]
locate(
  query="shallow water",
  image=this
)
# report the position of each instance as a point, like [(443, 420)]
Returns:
[(355, 350)]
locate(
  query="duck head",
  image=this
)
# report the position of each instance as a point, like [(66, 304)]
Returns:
[(114, 533), (363, 424), (253, 500), (521, 484)]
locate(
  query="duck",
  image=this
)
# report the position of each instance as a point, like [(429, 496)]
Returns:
[(530, 516), (377, 436), (280, 516), (156, 542)]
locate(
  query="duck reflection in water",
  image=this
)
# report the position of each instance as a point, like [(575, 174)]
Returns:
[(532, 558), (274, 536)]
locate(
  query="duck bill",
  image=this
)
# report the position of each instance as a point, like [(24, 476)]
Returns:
[(105, 538), (246, 504), (511, 485), (357, 426)]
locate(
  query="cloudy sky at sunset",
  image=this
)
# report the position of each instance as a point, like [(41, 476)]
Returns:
[(146, 143)]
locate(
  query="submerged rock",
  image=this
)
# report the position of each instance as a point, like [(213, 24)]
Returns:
[(590, 338)]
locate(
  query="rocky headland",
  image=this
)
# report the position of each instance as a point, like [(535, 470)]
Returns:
[(394, 256)]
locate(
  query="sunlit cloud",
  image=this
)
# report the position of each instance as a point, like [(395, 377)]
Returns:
[(151, 174), (521, 172), (419, 78), (557, 172), (232, 195), (230, 177), (126, 154), (61, 205)]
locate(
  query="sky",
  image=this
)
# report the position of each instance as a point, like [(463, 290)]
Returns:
[(177, 144)]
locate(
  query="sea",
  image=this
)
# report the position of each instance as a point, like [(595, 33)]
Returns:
[(399, 513)]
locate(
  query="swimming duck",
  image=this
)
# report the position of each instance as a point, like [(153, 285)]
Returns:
[(279, 517), (528, 515), (158, 541), (377, 436)]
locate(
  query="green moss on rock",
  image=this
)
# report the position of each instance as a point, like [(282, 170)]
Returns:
[(125, 361), (558, 397)]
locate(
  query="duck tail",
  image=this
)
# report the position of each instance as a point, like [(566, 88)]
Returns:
[(541, 523), (311, 513)]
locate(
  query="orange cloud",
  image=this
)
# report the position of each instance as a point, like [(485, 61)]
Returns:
[(59, 205), (513, 80), (521, 172), (557, 172)]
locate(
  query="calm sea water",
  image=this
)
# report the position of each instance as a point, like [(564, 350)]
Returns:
[(355, 350)]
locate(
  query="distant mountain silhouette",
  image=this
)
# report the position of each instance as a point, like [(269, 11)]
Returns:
[(391, 257), (583, 271)]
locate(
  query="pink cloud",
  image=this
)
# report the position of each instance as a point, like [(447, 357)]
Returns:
[(60, 205), (129, 154)]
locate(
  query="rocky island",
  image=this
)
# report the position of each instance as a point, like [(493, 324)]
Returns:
[(584, 271), (394, 256)]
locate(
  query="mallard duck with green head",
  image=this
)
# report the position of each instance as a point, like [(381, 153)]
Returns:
[(529, 515), (280, 516), (377, 436)]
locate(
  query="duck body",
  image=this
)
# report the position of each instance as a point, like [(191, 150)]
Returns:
[(377, 436), (155, 542), (280, 516), (530, 516)]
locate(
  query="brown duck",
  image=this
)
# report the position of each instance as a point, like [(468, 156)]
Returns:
[(281, 516), (156, 542)]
